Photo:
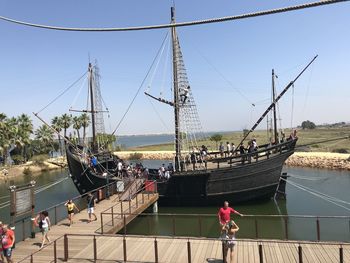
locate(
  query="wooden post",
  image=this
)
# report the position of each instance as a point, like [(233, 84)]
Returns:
[(341, 255), (23, 230), (31, 258), (65, 245), (112, 216), (54, 251), (155, 250), (55, 215), (124, 221), (286, 227), (124, 249), (318, 229), (129, 206), (95, 249), (101, 222), (300, 252), (261, 255), (256, 229), (223, 252), (189, 257)]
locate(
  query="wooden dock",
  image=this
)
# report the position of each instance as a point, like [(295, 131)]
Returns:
[(118, 248), (138, 204)]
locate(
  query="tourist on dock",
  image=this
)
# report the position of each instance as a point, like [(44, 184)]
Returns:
[(70, 209), (170, 168), (230, 243), (7, 242), (120, 168), (233, 148), (242, 152), (93, 162), (221, 149), (228, 149), (91, 202), (44, 224), (1, 234), (224, 215)]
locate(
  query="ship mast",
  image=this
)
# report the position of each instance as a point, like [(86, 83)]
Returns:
[(176, 93), (94, 148), (274, 107)]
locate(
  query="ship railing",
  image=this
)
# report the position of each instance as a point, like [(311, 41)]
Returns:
[(282, 227), (122, 209), (26, 228), (124, 249), (228, 160)]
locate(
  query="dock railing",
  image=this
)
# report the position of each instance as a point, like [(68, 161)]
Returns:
[(58, 212), (119, 247), (282, 227)]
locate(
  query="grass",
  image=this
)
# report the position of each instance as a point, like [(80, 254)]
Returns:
[(305, 137)]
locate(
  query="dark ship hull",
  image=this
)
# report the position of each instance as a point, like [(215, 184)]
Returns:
[(84, 177), (246, 182)]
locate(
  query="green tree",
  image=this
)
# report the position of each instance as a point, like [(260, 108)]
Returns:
[(57, 124), (25, 129), (45, 135), (85, 122), (308, 125), (77, 124), (66, 123), (216, 138)]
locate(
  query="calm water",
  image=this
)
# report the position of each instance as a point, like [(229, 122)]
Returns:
[(298, 202)]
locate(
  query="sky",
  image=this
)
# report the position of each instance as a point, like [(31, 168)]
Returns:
[(228, 64)]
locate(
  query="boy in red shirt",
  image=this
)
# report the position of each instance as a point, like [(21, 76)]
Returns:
[(224, 215), (8, 239)]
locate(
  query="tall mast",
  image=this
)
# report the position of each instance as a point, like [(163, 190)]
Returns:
[(92, 108), (274, 107), (176, 93)]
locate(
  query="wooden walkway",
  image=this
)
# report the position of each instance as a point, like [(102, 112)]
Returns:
[(116, 248), (81, 226)]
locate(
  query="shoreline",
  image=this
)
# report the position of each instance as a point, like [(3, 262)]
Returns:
[(319, 160)]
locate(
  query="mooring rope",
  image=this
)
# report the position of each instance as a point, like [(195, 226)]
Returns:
[(181, 24)]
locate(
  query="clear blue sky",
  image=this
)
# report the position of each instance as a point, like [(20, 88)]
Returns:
[(37, 64)]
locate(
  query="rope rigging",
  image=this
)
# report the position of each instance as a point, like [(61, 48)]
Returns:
[(181, 24)]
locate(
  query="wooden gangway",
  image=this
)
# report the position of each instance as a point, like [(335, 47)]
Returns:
[(119, 248), (139, 203)]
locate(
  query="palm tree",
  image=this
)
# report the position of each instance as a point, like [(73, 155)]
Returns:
[(58, 125), (8, 135), (25, 129), (45, 135), (85, 122), (77, 124), (66, 123)]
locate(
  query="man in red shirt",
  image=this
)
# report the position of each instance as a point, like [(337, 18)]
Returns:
[(225, 213), (8, 239)]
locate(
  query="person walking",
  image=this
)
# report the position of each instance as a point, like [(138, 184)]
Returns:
[(71, 207), (224, 215), (44, 224), (230, 243), (91, 202), (7, 242), (1, 250)]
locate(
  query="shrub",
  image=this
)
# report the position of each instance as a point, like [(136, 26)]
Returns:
[(17, 159), (135, 156), (27, 171), (340, 150)]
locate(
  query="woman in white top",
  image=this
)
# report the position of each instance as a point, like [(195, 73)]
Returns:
[(44, 224), (232, 229)]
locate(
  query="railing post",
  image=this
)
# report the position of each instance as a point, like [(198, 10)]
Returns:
[(256, 228), (31, 258), (300, 252), (174, 229), (189, 257), (55, 215), (318, 229), (130, 205), (112, 216), (23, 230), (65, 245), (124, 222), (286, 227), (341, 255), (200, 225), (54, 251), (101, 222), (261, 255), (124, 249), (95, 249), (223, 252), (155, 250)]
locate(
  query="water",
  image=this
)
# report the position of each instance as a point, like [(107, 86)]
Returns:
[(298, 202)]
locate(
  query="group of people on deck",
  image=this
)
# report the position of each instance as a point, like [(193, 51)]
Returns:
[(165, 172)]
